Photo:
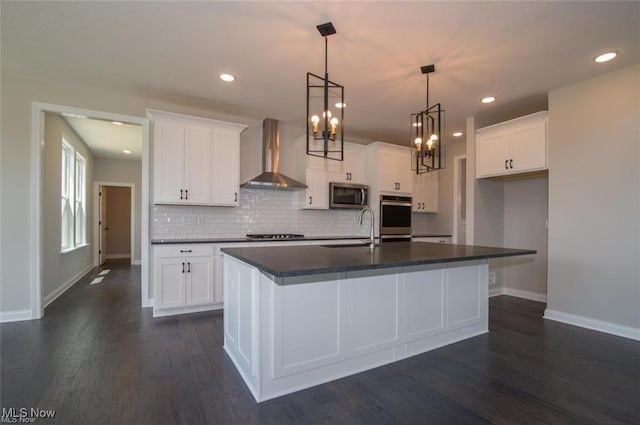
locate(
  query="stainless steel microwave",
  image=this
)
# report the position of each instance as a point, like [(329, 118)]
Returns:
[(348, 195)]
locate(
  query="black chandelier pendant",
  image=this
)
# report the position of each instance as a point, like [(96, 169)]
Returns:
[(427, 134), (325, 129)]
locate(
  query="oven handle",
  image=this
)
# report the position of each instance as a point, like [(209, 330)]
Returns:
[(399, 204)]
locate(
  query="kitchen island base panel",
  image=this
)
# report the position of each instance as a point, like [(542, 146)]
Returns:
[(285, 338)]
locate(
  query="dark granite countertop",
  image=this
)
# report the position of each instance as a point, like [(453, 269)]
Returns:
[(245, 239), (308, 260)]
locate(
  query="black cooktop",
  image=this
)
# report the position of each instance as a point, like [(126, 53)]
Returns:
[(274, 236)]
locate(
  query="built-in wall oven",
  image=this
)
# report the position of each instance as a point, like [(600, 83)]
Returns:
[(395, 217)]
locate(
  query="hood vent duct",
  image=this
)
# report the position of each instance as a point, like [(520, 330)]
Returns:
[(270, 177)]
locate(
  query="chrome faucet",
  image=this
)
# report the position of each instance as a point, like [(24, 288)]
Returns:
[(372, 241)]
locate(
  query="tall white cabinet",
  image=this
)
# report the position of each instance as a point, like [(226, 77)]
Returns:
[(196, 160)]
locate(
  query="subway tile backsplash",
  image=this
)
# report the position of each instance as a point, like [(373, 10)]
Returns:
[(259, 211)]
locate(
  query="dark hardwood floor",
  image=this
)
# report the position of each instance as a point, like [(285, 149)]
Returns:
[(98, 358)]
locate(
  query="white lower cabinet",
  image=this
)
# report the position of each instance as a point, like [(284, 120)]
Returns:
[(183, 279)]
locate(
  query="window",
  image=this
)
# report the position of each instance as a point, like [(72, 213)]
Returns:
[(73, 198)]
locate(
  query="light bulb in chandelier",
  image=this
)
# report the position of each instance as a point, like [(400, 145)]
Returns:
[(315, 120), (418, 143), (333, 122)]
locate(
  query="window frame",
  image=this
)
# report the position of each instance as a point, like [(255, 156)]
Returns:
[(73, 196)]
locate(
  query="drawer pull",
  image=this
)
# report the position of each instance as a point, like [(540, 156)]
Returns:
[(186, 250)]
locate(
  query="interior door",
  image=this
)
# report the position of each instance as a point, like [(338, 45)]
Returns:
[(102, 223)]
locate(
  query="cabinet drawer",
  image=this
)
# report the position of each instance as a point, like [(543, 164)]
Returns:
[(166, 251)]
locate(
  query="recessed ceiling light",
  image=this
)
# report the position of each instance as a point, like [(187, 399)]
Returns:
[(227, 77), (341, 105), (116, 123), (457, 134), (605, 57), (127, 151), (488, 99)]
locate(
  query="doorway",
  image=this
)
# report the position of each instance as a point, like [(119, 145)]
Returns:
[(459, 199), (37, 190), (114, 222)]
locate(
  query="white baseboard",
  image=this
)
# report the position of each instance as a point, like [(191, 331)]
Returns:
[(117, 256), (494, 292), (66, 285), (534, 296), (15, 316), (593, 324), (528, 295)]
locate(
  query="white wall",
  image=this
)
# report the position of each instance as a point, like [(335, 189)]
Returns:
[(124, 171), (594, 200), (525, 215), (59, 270)]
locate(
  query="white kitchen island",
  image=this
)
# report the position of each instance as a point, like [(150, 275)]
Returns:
[(295, 317)]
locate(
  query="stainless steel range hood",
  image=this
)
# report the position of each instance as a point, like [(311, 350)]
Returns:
[(270, 177)]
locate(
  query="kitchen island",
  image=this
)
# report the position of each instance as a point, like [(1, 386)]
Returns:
[(295, 317)]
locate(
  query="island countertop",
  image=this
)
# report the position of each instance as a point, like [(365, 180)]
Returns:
[(288, 261)]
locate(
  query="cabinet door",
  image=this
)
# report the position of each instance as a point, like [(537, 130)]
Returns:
[(492, 150), (430, 191), (317, 193), (354, 163), (168, 146), (403, 175), (528, 148), (225, 167), (416, 197), (197, 165), (199, 288), (387, 161), (170, 280)]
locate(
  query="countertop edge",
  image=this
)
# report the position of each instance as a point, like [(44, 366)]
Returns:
[(341, 269)]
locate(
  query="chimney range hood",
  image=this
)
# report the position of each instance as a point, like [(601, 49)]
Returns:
[(270, 177)]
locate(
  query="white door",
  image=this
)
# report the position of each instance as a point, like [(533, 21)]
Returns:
[(197, 164), (199, 280), (169, 162), (492, 153), (102, 223), (528, 147), (170, 282), (225, 167)]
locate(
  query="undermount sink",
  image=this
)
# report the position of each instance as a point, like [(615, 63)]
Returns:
[(351, 245)]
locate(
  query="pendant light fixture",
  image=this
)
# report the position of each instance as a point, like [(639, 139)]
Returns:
[(325, 128), (427, 134)]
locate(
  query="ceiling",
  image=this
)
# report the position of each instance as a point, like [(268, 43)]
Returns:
[(516, 51), (108, 140)]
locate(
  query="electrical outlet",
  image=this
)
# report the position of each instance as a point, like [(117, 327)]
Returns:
[(492, 278)]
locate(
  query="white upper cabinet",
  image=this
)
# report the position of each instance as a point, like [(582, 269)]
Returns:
[(513, 147), (196, 160), (351, 170), (390, 168), (425, 192)]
